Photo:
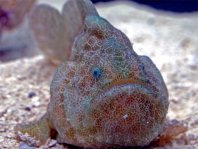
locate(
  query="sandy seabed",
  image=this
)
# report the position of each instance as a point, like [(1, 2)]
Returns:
[(169, 39)]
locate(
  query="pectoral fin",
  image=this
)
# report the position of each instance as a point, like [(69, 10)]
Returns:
[(39, 130)]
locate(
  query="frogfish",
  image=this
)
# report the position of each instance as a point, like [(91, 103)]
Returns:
[(103, 94)]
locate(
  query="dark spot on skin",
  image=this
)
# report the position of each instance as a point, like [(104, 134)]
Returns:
[(142, 67), (98, 34)]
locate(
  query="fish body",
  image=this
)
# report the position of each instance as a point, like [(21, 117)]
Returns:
[(104, 95)]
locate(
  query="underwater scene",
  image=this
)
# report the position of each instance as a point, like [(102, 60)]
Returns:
[(96, 74)]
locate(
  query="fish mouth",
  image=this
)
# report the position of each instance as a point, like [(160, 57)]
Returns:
[(126, 113), (127, 89), (128, 86)]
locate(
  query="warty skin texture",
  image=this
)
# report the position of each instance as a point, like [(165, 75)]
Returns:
[(125, 106), (105, 95)]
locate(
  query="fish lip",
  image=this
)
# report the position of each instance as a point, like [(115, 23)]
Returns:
[(122, 82), (116, 89)]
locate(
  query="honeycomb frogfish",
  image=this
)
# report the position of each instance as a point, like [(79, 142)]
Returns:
[(104, 95)]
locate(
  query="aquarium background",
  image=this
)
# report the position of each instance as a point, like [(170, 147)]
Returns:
[(179, 6)]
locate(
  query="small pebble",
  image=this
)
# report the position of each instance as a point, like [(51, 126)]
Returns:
[(23, 145), (28, 108), (31, 94), (52, 143)]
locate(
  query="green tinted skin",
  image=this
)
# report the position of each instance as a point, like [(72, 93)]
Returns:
[(105, 95)]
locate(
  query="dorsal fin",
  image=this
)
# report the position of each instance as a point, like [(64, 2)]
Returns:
[(55, 32), (48, 30), (74, 13)]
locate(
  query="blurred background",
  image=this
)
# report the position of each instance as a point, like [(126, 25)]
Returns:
[(179, 6), (16, 40)]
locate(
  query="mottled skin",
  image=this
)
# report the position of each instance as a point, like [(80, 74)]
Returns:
[(105, 95)]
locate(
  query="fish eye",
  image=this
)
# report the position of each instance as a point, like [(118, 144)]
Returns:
[(96, 72)]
